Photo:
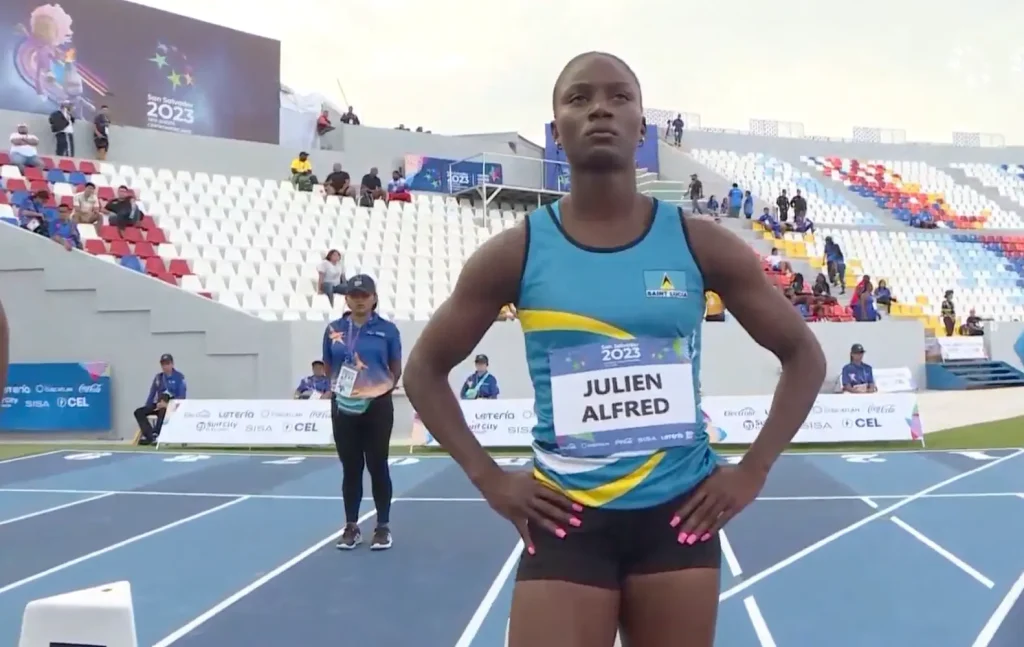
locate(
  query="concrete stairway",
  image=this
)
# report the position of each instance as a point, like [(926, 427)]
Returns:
[(683, 165)]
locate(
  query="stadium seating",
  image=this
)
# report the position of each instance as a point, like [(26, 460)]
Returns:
[(1007, 179), (765, 177), (906, 188)]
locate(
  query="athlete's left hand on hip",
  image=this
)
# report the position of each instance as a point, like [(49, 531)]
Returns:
[(721, 496)]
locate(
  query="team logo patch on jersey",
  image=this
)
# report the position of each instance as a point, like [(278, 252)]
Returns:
[(665, 284)]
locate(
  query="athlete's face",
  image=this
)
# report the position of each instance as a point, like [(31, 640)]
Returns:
[(598, 114)]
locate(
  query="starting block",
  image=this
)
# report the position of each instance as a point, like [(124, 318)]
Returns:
[(98, 617)]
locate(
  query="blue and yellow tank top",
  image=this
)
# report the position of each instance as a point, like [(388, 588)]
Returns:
[(613, 349)]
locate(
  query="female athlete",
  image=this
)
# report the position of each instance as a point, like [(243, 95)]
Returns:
[(621, 513)]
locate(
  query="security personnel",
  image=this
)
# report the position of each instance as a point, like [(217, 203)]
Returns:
[(481, 384), (168, 384), (857, 376), (317, 385)]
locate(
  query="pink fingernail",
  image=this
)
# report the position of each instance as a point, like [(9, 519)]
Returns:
[(531, 550), (559, 533), (574, 522), (706, 536), (691, 540), (675, 521), (682, 537), (577, 507)]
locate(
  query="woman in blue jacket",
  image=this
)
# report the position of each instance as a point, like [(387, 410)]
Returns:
[(481, 384)]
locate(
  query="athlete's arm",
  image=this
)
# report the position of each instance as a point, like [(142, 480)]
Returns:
[(489, 280), (734, 272), (4, 349)]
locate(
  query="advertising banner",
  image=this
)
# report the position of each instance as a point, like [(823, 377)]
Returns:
[(154, 69), (57, 398), (496, 423), (248, 423), (440, 175)]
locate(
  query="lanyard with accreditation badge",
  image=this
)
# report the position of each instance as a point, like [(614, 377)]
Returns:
[(347, 375)]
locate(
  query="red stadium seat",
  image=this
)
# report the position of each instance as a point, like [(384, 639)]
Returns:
[(95, 246), (154, 264), (109, 232), (179, 267), (144, 250), (133, 235), (67, 165), (120, 248), (87, 167), (156, 236)]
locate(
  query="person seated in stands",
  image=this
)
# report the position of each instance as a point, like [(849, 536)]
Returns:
[(714, 309), (169, 384), (397, 189), (822, 291), (350, 117), (64, 230), (124, 210), (858, 377), (23, 148), (302, 172), (323, 123), (331, 275), (774, 260), (32, 214), (922, 220), (316, 386), (87, 206), (339, 183), (748, 205), (883, 296), (481, 384), (863, 303), (712, 204), (769, 222), (972, 326), (836, 264), (801, 224), (370, 188)]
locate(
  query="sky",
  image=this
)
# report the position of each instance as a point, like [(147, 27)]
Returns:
[(488, 66)]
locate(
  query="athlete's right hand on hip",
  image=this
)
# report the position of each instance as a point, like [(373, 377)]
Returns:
[(524, 501)]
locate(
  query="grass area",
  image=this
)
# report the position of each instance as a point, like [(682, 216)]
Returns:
[(987, 435)]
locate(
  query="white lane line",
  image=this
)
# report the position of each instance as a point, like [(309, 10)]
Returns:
[(988, 632), (760, 626), (956, 561), (870, 502), (335, 497), (797, 556), (216, 609), (1021, 495), (477, 620), (131, 540), (26, 457), (729, 555), (63, 506)]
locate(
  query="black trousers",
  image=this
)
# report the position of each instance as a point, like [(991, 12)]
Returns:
[(65, 144), (149, 432), (363, 441)]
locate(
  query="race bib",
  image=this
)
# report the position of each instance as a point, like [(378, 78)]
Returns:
[(618, 396), (346, 381)]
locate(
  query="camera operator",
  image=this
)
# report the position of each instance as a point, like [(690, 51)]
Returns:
[(168, 384)]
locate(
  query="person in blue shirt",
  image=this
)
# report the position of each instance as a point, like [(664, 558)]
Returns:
[(481, 384), (836, 264), (735, 201), (619, 517), (770, 222), (712, 205), (32, 213), (362, 354), (64, 230), (748, 205), (316, 385), (857, 377), (169, 384)]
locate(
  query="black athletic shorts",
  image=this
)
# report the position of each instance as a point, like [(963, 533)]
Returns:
[(101, 143), (611, 545)]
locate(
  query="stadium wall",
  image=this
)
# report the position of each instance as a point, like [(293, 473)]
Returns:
[(1001, 342), (72, 307)]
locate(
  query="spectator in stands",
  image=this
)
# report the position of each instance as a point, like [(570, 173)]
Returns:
[(799, 204), (712, 204), (64, 230), (883, 295), (748, 205), (858, 377), (101, 132), (23, 148), (801, 224), (168, 384), (714, 309), (677, 129), (735, 201), (972, 326), (696, 192), (821, 288), (922, 220), (316, 386), (302, 172), (323, 123), (339, 183), (481, 384), (835, 262), (774, 260), (948, 311), (770, 223), (87, 206), (124, 210), (863, 303), (782, 202), (32, 213), (350, 117), (62, 125), (397, 189), (724, 207), (370, 188), (331, 275)]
